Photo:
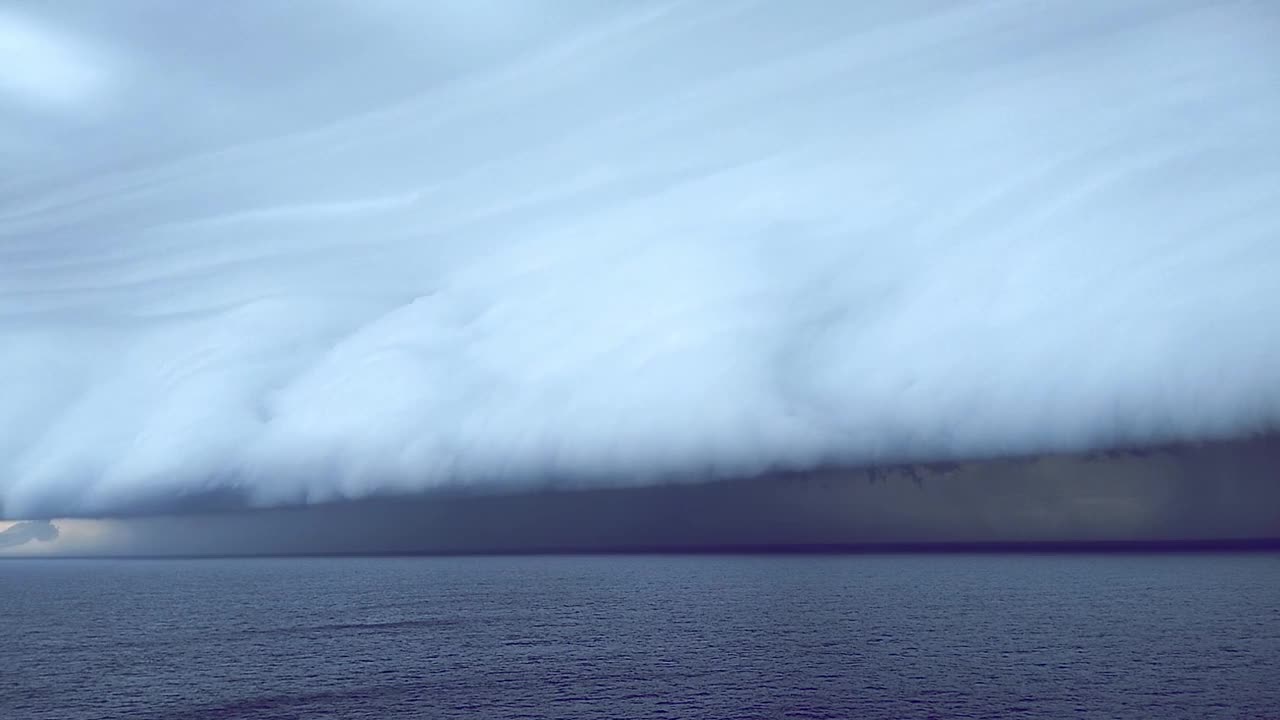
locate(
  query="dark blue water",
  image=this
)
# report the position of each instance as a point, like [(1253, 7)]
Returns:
[(645, 637)]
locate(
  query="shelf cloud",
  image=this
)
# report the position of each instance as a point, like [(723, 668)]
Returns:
[(297, 253)]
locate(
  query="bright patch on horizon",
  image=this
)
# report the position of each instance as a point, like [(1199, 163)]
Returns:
[(67, 536)]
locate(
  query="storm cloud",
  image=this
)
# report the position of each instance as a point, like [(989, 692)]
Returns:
[(306, 252)]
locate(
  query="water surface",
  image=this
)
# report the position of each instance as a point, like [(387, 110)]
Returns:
[(1105, 636)]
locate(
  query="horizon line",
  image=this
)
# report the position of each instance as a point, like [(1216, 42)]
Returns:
[(1082, 548)]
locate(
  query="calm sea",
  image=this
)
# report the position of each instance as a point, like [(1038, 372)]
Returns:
[(1113, 636)]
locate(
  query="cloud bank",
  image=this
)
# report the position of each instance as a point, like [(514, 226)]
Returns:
[(309, 253)]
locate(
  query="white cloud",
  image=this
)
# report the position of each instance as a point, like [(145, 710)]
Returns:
[(705, 239), (48, 70)]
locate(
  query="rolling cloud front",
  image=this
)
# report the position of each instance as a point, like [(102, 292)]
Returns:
[(295, 252)]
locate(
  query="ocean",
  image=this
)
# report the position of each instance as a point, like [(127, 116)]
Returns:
[(705, 636)]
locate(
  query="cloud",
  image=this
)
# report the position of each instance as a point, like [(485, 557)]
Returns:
[(45, 69), (1211, 494), (25, 532), (631, 243)]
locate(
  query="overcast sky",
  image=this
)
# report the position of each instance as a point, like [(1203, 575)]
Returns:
[(299, 251)]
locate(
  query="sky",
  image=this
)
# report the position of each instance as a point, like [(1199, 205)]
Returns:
[(281, 253)]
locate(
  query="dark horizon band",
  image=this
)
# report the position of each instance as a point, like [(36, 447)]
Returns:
[(1202, 496)]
